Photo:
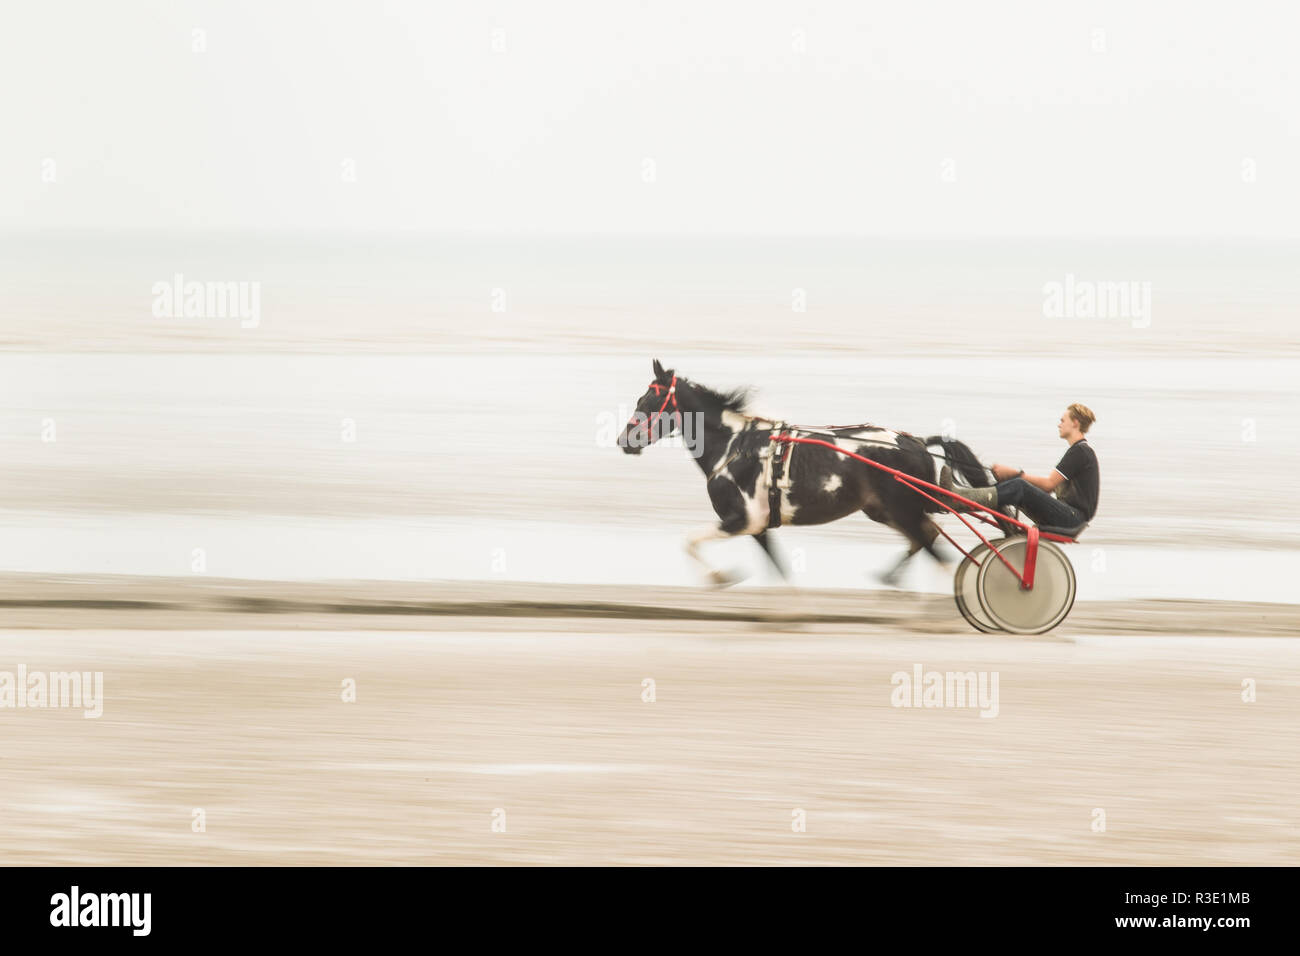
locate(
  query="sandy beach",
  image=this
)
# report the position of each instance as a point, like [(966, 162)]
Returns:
[(226, 698)]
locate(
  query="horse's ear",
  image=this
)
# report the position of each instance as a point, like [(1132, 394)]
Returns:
[(659, 370)]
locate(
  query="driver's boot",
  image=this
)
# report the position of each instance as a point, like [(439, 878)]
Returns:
[(988, 497)]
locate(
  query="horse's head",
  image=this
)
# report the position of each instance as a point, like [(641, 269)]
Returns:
[(656, 414)]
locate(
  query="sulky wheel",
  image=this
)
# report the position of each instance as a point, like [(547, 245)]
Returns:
[(963, 588), (1019, 611)]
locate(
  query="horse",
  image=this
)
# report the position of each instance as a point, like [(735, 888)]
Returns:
[(736, 452)]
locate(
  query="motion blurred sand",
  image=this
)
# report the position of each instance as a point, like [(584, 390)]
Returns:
[(219, 702)]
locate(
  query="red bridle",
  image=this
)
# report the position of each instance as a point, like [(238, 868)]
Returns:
[(670, 397)]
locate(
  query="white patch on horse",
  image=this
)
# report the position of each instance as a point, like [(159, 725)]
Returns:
[(847, 448), (734, 420), (724, 460), (832, 484), (877, 439), (757, 513)]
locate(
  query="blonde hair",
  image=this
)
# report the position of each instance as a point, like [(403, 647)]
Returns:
[(1082, 415)]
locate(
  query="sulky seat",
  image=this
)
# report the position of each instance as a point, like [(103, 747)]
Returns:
[(1070, 533)]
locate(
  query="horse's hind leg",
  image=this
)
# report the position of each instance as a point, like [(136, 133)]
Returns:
[(921, 533), (892, 576), (930, 534)]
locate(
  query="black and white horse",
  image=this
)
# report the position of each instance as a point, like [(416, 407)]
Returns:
[(734, 450)]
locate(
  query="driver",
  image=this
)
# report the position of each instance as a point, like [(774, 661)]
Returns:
[(1076, 480)]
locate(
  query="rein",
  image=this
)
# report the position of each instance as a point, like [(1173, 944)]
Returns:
[(830, 431), (669, 392)]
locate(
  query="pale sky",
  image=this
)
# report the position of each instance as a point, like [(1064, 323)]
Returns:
[(1107, 118)]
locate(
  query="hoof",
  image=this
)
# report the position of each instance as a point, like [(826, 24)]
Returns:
[(889, 579), (723, 579), (946, 556)]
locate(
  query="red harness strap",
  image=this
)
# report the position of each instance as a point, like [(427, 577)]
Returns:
[(670, 397)]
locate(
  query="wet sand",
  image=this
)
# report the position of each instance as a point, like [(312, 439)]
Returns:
[(205, 602), (462, 713)]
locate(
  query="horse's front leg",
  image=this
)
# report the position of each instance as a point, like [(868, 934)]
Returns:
[(716, 577), (737, 515), (770, 551)]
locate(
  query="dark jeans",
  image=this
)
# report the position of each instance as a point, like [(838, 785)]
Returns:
[(1038, 504)]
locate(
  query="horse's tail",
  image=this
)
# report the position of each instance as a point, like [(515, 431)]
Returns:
[(963, 461)]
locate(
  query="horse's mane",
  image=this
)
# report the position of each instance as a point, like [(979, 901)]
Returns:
[(730, 400)]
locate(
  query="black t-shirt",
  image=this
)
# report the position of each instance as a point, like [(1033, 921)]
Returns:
[(1083, 478)]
